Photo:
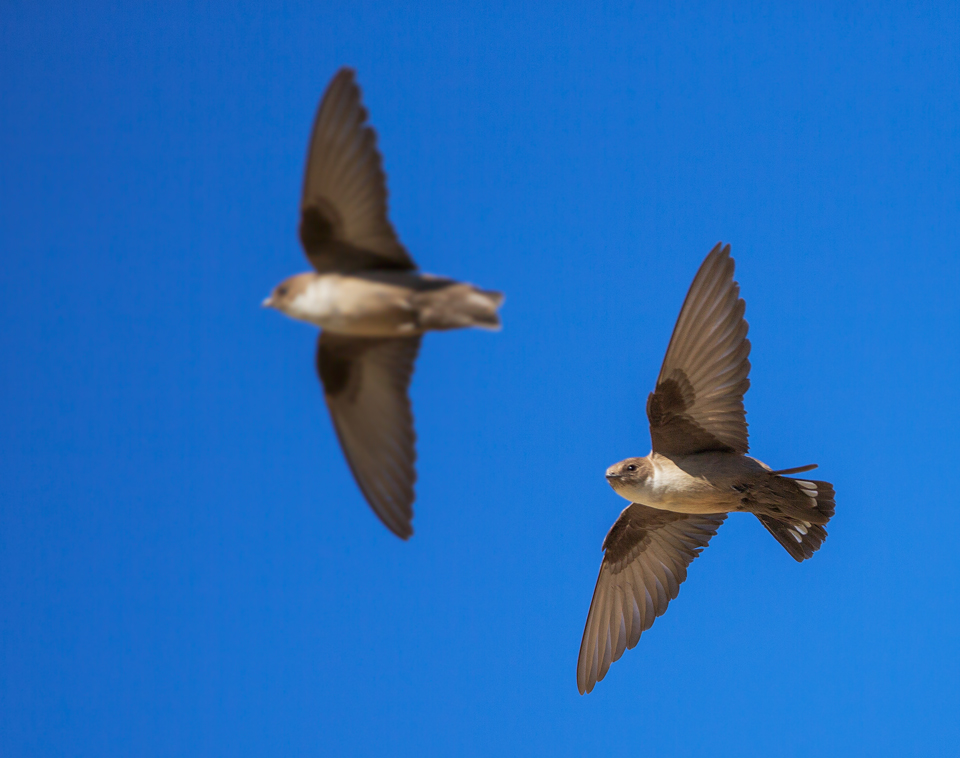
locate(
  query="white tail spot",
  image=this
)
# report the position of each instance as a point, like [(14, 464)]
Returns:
[(796, 536), (806, 485), (800, 528)]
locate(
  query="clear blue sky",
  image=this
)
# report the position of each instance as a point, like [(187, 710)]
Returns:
[(186, 566)]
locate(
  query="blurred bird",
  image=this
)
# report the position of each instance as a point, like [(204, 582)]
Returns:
[(697, 472), (370, 302)]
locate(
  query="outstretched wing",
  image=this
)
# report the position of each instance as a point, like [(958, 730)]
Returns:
[(365, 382), (343, 211), (646, 559), (697, 406)]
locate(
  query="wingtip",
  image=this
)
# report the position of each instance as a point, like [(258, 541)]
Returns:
[(796, 469), (403, 534), (585, 688), (721, 249), (402, 529), (582, 687), (718, 262)]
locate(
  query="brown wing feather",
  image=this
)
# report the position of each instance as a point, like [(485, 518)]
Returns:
[(343, 211), (646, 559), (365, 382), (697, 406)]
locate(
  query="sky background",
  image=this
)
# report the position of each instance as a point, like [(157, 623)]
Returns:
[(186, 565)]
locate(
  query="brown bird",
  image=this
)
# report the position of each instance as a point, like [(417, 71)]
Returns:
[(369, 300), (697, 472)]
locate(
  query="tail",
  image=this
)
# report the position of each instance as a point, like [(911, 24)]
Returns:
[(458, 306), (797, 520)]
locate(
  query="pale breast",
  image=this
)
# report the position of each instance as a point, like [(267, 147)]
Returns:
[(356, 306), (693, 484)]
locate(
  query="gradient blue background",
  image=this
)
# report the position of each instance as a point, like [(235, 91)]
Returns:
[(186, 566)]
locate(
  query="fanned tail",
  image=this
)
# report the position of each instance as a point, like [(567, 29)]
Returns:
[(456, 306), (799, 524)]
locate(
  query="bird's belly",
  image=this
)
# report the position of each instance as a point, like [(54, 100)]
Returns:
[(361, 308), (677, 491)]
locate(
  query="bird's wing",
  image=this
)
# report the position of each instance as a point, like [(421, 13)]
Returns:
[(365, 382), (343, 211), (697, 406), (646, 559)]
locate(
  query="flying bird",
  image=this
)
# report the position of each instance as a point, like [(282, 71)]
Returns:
[(370, 302), (697, 473)]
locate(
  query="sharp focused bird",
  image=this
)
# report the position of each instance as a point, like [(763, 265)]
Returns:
[(697, 473), (369, 300)]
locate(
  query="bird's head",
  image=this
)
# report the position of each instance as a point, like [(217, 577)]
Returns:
[(285, 296), (629, 473)]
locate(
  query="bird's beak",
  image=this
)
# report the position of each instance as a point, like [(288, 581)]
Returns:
[(611, 475), (268, 303)]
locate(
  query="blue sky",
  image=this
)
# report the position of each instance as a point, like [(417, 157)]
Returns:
[(186, 566)]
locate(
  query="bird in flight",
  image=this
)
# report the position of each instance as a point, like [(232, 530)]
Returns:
[(370, 302), (697, 473)]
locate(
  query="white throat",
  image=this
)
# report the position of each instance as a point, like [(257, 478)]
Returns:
[(317, 304)]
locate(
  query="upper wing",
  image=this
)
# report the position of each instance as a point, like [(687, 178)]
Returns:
[(343, 211), (647, 554), (365, 382), (697, 406)]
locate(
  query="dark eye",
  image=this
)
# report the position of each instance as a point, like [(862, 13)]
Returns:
[(631, 467), (281, 291)]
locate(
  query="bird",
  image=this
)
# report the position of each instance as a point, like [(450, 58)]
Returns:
[(697, 472), (371, 303)]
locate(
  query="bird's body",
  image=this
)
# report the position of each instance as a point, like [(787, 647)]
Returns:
[(387, 303), (697, 473), (711, 482), (703, 483), (370, 302)]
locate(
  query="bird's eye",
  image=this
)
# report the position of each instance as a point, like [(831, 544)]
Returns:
[(631, 467), (281, 291)]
